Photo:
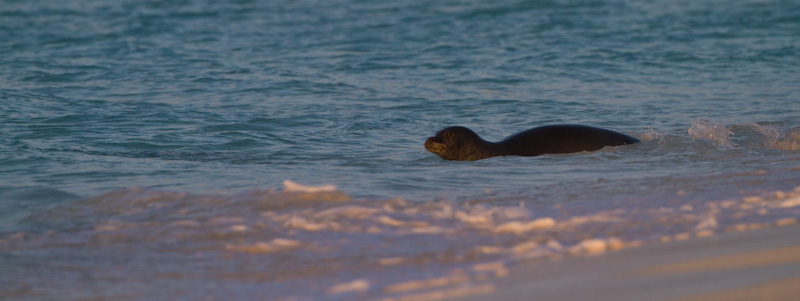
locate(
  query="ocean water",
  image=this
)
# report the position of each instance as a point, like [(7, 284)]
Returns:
[(145, 146)]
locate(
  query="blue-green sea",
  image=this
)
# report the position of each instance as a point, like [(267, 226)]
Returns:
[(145, 145)]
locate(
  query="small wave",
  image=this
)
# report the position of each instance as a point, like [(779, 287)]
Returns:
[(707, 129), (652, 134), (748, 135), (16, 203), (789, 140)]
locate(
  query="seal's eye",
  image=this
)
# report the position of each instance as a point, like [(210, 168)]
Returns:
[(448, 134)]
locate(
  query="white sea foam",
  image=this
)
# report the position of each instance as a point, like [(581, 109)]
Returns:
[(275, 245), (290, 186), (707, 129), (747, 134), (520, 227), (315, 236), (358, 285)]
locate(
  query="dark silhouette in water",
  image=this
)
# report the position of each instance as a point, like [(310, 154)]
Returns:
[(462, 144)]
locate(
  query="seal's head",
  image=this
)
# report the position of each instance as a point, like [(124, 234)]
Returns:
[(456, 143)]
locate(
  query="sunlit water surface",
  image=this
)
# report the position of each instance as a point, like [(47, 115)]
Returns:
[(144, 145)]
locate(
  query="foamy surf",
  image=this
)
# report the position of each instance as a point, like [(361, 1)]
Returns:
[(705, 128), (747, 134), (289, 186), (308, 244)]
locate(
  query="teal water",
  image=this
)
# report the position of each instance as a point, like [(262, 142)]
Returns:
[(142, 117)]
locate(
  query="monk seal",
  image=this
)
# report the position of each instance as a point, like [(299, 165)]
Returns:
[(462, 144)]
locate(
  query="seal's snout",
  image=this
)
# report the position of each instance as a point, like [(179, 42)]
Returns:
[(435, 145)]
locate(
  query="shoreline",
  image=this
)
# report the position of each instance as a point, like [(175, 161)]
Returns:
[(762, 264)]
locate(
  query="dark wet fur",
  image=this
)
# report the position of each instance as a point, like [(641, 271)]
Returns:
[(462, 144)]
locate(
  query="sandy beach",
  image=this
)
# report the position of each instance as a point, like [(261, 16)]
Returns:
[(759, 264)]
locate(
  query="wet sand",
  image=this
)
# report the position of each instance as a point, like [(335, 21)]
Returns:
[(759, 264)]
